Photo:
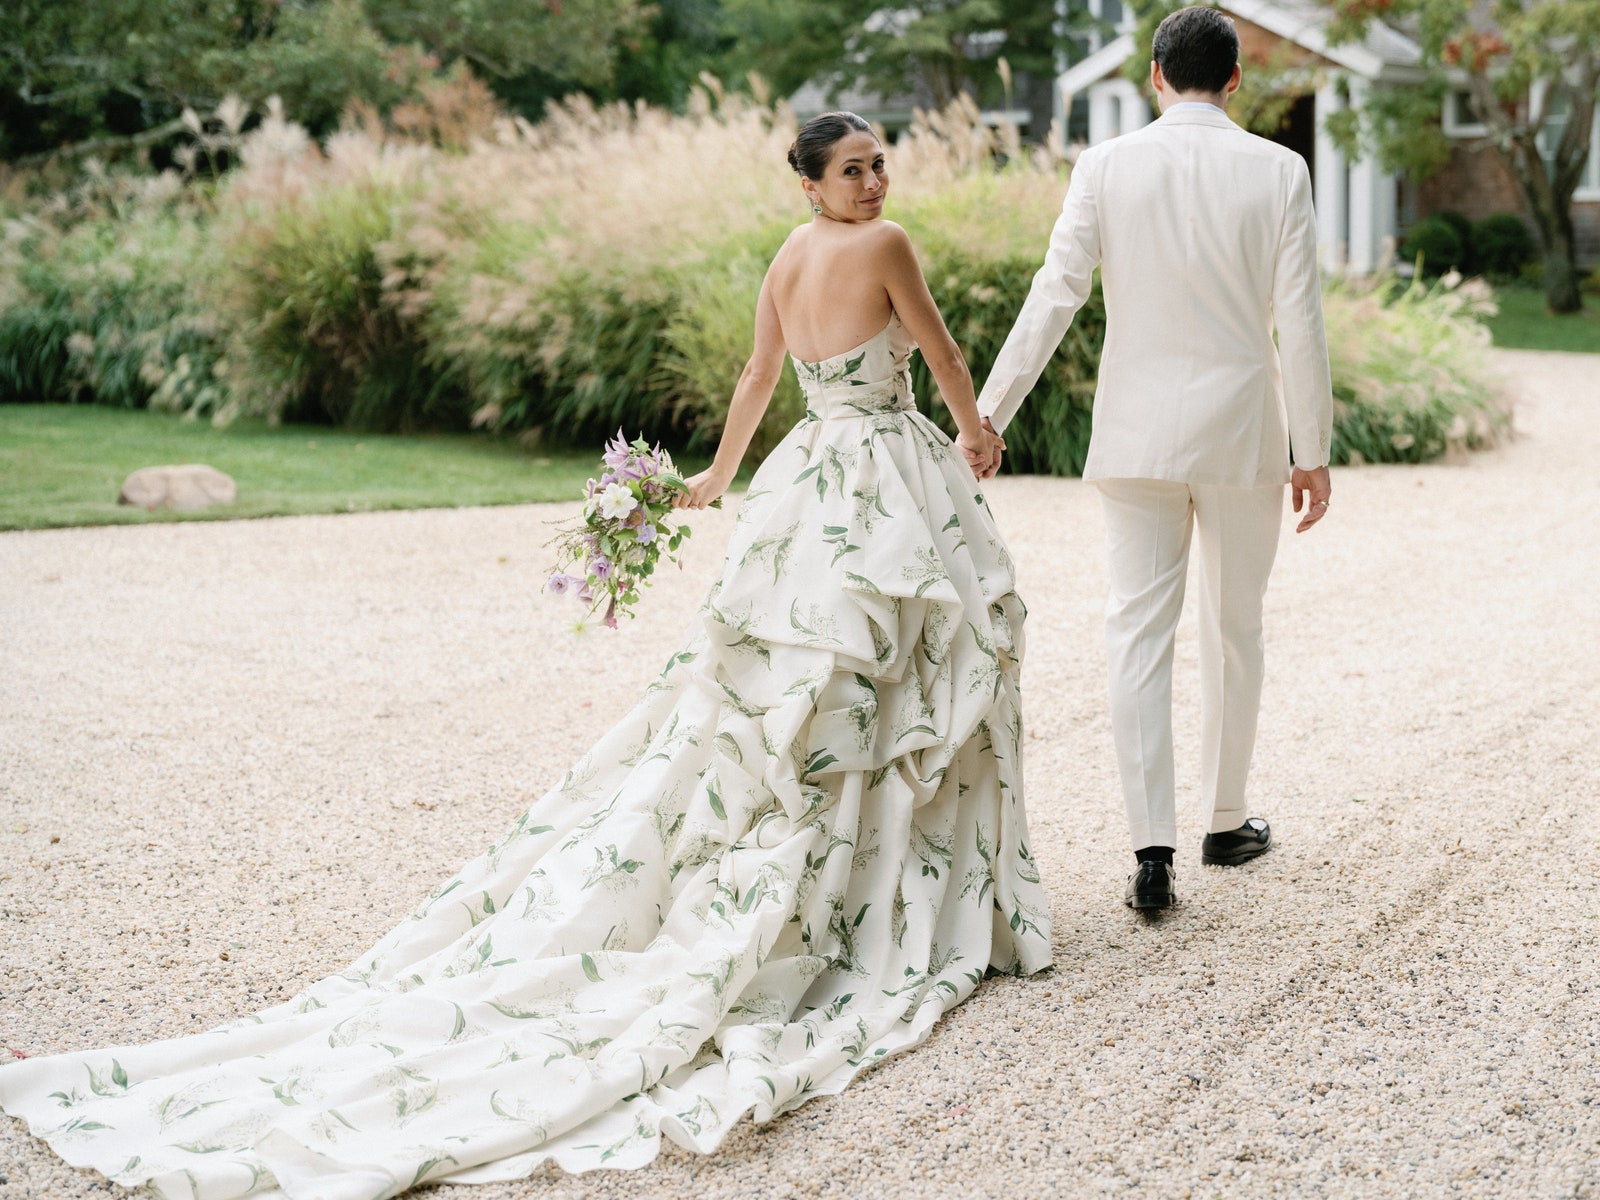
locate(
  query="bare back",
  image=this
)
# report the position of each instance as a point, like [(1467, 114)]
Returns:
[(830, 288)]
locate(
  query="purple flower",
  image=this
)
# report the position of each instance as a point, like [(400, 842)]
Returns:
[(600, 568), (561, 583), (611, 615), (617, 451), (646, 534), (585, 594)]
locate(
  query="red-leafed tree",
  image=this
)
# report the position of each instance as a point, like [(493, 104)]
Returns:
[(1530, 67)]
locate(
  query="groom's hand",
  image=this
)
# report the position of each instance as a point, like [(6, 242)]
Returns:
[(1318, 487), (999, 449), (981, 452)]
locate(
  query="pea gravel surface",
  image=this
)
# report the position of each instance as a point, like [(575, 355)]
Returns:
[(233, 754)]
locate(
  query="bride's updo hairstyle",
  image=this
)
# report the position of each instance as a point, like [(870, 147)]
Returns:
[(813, 148)]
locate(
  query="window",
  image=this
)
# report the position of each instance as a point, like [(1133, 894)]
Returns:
[(1459, 119), (1550, 136)]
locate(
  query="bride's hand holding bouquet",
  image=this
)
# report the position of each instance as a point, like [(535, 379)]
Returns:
[(610, 552)]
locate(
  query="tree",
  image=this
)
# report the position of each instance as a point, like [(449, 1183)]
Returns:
[(1529, 66), (503, 38), (104, 75), (948, 47)]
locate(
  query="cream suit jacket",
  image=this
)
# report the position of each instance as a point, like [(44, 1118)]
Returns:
[(1206, 240)]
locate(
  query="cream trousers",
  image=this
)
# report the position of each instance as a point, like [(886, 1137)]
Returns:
[(1149, 523)]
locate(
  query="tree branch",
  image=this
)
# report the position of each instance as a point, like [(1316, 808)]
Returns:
[(94, 145)]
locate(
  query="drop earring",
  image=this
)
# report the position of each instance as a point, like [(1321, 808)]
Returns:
[(816, 208)]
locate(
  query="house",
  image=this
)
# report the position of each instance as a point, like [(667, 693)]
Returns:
[(1361, 209)]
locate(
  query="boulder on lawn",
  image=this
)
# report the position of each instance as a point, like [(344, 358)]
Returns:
[(184, 488)]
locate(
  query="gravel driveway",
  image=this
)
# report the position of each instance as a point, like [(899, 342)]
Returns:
[(232, 754)]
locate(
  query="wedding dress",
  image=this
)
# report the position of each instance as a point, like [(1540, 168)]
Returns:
[(803, 846)]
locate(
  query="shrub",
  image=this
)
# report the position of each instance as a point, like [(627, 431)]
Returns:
[(103, 312), (1436, 243), (1411, 379), (1502, 246), (322, 327), (1463, 229), (710, 338), (980, 300), (564, 279)]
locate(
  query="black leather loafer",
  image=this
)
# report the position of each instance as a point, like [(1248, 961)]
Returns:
[(1235, 846), (1153, 885)]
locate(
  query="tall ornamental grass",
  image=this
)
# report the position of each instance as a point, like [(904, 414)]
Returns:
[(1411, 375), (98, 302), (596, 271)]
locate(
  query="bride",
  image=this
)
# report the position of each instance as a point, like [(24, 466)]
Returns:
[(803, 846)]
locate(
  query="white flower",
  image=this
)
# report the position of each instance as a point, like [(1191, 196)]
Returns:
[(616, 502)]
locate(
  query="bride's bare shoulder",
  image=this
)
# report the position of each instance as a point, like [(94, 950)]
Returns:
[(889, 238)]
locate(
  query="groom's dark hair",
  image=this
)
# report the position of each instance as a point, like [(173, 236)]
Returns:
[(1196, 49)]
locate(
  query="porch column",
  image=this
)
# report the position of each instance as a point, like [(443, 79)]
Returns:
[(1373, 206), (1135, 111), (1102, 113), (1330, 185)]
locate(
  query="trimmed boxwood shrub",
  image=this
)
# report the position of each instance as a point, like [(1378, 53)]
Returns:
[(1437, 243), (1502, 245)]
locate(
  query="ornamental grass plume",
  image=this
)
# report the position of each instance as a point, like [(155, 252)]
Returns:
[(1411, 372)]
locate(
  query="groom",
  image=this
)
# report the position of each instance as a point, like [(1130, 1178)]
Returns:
[(1206, 242)]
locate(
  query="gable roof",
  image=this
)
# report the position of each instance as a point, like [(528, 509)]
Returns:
[(1382, 53)]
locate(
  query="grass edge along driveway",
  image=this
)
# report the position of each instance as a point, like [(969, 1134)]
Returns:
[(62, 465)]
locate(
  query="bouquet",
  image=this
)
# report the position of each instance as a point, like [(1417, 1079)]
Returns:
[(610, 552)]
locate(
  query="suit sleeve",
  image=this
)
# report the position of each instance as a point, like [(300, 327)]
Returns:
[(1302, 343), (1059, 290)]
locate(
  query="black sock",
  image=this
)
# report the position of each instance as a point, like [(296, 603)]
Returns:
[(1154, 854)]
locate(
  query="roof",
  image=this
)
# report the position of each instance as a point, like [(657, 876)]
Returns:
[(1382, 53)]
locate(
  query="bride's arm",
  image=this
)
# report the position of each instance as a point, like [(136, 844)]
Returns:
[(750, 398), (908, 293)]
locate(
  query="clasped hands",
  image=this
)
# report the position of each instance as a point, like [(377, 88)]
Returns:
[(983, 453)]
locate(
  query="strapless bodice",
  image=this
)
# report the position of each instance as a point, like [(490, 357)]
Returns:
[(874, 377)]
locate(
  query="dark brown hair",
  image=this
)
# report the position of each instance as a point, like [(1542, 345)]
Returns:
[(1196, 49), (813, 147)]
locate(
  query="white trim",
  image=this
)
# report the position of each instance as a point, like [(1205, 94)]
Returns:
[(1379, 53), (1383, 54), (1116, 107), (1330, 180), (1103, 62), (1456, 128)]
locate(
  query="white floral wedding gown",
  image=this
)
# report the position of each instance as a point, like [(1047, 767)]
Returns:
[(802, 847)]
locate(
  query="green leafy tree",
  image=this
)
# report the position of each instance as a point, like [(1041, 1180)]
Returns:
[(503, 38), (106, 75), (1530, 67), (953, 46), (949, 47)]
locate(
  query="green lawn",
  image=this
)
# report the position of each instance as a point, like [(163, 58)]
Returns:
[(62, 464), (1524, 324)]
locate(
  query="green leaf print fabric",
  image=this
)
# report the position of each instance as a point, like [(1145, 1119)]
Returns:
[(803, 846)]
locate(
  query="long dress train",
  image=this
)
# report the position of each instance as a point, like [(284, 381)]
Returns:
[(803, 846)]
